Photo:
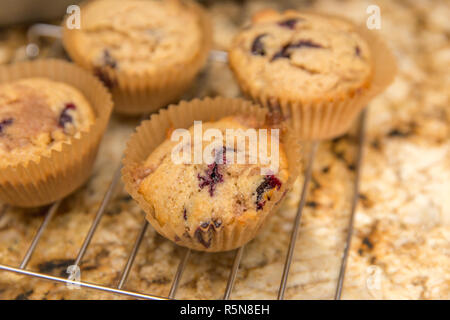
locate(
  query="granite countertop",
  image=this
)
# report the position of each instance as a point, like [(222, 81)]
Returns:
[(401, 243)]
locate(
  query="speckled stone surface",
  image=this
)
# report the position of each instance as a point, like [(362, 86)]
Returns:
[(401, 243)]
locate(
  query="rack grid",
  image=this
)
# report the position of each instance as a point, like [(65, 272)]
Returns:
[(40, 30)]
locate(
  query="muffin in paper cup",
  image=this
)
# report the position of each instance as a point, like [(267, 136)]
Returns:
[(42, 166), (208, 206), (316, 71), (147, 53)]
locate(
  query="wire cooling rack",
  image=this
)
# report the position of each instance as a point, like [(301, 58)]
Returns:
[(40, 30)]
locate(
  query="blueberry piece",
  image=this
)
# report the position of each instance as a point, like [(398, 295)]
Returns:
[(285, 51), (213, 176), (65, 117), (207, 230), (305, 43), (205, 225), (258, 47), (108, 60), (269, 182), (4, 123), (289, 23), (357, 51), (105, 78), (217, 223), (200, 236)]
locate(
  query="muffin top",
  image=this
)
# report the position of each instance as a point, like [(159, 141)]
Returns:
[(301, 56), (199, 198), (138, 36), (37, 115)]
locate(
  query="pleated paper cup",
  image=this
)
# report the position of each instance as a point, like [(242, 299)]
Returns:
[(151, 133), (329, 116), (56, 174), (143, 91)]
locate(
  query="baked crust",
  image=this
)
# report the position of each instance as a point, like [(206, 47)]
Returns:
[(300, 56), (37, 115)]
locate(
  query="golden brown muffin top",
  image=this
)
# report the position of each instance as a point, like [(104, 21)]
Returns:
[(302, 56), (197, 198), (138, 36), (37, 115)]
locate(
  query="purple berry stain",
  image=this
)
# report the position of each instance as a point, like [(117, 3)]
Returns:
[(199, 236), (4, 123), (105, 78), (65, 117), (217, 223), (285, 51), (108, 60), (269, 182), (213, 176), (211, 179), (258, 47), (289, 23), (205, 225), (206, 230)]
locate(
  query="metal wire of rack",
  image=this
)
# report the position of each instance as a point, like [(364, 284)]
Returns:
[(22, 269)]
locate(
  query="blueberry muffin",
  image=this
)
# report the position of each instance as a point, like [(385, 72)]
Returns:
[(38, 115), (305, 66), (52, 117), (210, 186), (201, 201), (146, 52)]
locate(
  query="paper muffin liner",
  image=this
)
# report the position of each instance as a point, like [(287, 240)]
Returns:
[(330, 116), (58, 173), (144, 91), (151, 133)]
